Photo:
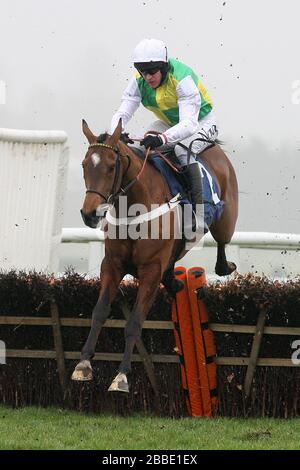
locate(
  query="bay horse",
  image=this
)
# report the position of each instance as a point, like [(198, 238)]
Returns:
[(110, 166)]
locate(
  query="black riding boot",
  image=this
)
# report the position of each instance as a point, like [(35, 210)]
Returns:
[(193, 179)]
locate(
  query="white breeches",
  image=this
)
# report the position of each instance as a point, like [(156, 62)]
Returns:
[(207, 129)]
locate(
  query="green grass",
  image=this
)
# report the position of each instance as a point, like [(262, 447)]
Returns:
[(37, 428)]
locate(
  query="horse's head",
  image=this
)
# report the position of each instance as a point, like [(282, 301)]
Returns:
[(101, 171)]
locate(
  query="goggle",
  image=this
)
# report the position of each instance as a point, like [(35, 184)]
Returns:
[(152, 71)]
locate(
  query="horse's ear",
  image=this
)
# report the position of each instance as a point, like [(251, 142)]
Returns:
[(117, 133), (88, 133)]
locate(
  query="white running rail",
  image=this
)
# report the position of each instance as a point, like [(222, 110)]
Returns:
[(32, 188), (240, 240), (263, 240)]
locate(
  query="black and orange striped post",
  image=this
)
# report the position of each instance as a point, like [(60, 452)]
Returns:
[(195, 343), (185, 343), (208, 340)]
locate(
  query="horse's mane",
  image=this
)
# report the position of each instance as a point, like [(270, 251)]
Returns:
[(102, 138)]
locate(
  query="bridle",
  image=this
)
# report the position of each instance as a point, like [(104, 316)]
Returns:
[(115, 193)]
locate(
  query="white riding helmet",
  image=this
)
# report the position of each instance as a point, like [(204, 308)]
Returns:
[(150, 50)]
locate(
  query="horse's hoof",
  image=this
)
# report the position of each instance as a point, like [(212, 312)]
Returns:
[(83, 371), (225, 270), (174, 287), (231, 267), (119, 384), (177, 286)]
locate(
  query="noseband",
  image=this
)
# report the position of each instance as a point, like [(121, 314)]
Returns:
[(111, 198)]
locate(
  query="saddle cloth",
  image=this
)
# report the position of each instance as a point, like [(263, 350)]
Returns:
[(213, 206)]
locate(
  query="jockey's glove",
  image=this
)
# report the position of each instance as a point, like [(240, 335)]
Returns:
[(152, 141), (124, 137)]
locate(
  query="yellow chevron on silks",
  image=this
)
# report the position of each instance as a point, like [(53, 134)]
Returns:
[(163, 101), (166, 96), (204, 94)]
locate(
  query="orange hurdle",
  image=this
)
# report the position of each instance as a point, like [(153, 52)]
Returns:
[(208, 340), (182, 317), (195, 343)]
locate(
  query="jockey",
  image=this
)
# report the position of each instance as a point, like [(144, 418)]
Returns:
[(173, 92)]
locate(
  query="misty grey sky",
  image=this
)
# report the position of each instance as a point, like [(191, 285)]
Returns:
[(63, 60)]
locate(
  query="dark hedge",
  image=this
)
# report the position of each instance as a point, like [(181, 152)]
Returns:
[(238, 301)]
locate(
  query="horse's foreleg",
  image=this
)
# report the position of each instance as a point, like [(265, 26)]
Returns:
[(149, 283), (109, 288)]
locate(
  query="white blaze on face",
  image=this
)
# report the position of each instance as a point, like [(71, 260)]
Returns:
[(95, 159)]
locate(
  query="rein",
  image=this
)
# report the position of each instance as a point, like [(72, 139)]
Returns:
[(157, 152), (113, 196)]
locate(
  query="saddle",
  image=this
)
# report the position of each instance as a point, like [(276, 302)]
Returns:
[(166, 170), (213, 206)]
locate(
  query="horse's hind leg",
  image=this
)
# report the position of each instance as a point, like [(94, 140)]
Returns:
[(222, 231), (110, 280), (223, 267)]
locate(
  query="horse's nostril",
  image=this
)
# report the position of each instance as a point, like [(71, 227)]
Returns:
[(91, 215)]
